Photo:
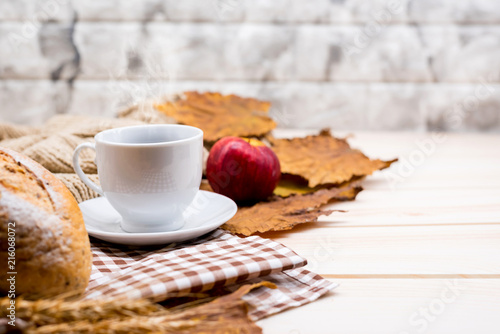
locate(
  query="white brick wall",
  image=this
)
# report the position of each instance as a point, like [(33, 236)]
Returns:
[(352, 64)]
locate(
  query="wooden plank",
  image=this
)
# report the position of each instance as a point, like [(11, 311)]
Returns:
[(408, 242), (438, 173), (387, 144), (411, 251), (401, 246), (476, 176), (396, 306), (375, 207), (459, 183), (461, 161)]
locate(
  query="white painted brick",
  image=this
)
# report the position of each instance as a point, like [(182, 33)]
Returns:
[(363, 12), (107, 98), (311, 105), (342, 106), (310, 11), (283, 50), (157, 50), (205, 11), (20, 53), (250, 52), (255, 52), (295, 105), (193, 52), (416, 11), (482, 114), (299, 105), (280, 11), (160, 10), (464, 107), (96, 98), (120, 10), (32, 102), (36, 11), (313, 53), (15, 10), (313, 11), (465, 54), (104, 48), (266, 11), (396, 107), (353, 106), (450, 11), (185, 51), (47, 52), (392, 54)]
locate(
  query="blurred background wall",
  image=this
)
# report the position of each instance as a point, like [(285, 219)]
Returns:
[(354, 64)]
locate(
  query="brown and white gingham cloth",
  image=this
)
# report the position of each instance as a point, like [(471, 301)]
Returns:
[(214, 261)]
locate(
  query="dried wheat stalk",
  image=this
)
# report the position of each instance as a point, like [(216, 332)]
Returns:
[(226, 314)]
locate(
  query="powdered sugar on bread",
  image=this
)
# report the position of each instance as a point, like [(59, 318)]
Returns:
[(20, 210), (52, 247)]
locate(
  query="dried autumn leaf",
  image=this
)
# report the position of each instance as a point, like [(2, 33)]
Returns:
[(324, 159), (287, 188), (226, 314), (284, 213), (295, 185), (220, 115)]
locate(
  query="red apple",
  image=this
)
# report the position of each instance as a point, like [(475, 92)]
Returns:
[(243, 169)]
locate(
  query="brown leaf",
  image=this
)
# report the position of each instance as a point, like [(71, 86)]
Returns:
[(324, 159), (286, 188), (296, 185), (226, 314), (221, 115), (284, 213)]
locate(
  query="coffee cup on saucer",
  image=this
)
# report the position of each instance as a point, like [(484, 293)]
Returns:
[(149, 174)]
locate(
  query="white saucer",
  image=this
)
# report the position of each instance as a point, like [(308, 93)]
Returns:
[(207, 212)]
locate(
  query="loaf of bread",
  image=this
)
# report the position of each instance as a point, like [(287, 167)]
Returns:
[(51, 254)]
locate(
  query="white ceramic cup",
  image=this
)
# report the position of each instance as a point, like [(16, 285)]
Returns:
[(148, 173)]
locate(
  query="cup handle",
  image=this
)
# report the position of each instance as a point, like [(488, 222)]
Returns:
[(79, 171)]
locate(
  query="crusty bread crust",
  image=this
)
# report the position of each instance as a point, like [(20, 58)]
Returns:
[(52, 246)]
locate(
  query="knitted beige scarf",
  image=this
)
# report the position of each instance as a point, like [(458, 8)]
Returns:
[(52, 144)]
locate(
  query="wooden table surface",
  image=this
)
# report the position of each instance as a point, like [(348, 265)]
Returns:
[(417, 252)]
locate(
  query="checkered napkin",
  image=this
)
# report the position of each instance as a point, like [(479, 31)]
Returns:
[(214, 261)]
